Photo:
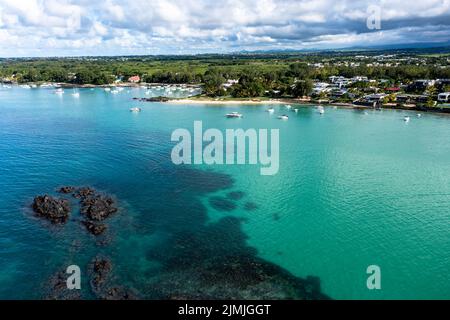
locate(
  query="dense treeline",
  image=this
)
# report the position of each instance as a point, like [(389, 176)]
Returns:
[(257, 75)]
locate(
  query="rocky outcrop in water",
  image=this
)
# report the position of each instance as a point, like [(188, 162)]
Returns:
[(101, 278), (153, 99), (97, 207), (101, 269), (66, 190), (55, 210), (84, 193), (94, 228), (57, 289)]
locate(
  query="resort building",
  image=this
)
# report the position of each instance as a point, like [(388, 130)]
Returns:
[(411, 98), (230, 83), (360, 79), (134, 79), (444, 97), (371, 98)]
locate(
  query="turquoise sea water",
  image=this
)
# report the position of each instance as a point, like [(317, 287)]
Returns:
[(353, 190)]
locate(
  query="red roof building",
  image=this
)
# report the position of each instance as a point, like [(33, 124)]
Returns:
[(393, 89), (134, 79)]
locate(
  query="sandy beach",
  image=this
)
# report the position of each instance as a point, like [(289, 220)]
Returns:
[(238, 102)]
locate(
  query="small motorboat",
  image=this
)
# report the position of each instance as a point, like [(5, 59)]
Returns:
[(76, 94), (234, 115), (296, 110), (136, 109), (107, 89), (321, 109), (283, 117), (289, 107), (407, 119), (270, 110), (59, 91), (419, 115)]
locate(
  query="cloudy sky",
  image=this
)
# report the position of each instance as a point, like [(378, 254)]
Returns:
[(118, 27)]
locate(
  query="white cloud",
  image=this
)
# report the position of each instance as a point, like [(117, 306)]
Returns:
[(78, 27)]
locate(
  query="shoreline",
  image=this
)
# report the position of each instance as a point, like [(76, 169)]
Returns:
[(301, 103), (66, 85)]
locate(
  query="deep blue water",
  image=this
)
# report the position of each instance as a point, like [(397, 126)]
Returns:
[(353, 190)]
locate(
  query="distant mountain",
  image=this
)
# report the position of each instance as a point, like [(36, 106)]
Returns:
[(428, 46)]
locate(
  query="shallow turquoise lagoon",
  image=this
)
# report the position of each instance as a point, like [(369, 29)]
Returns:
[(353, 190)]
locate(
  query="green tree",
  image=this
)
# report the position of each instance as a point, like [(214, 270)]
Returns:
[(213, 83), (302, 88)]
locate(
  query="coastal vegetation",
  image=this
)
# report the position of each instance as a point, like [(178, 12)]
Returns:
[(257, 75)]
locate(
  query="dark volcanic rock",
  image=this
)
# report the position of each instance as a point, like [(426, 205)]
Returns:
[(55, 210), (58, 289), (66, 190), (84, 193), (95, 228), (98, 208), (101, 269), (101, 278), (153, 99), (118, 293)]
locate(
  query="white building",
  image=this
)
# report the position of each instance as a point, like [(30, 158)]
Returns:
[(230, 83), (444, 97)]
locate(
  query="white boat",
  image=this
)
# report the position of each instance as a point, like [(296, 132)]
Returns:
[(107, 89), (136, 109), (270, 110), (59, 91), (289, 107), (234, 115), (25, 86), (321, 110), (407, 119), (76, 94), (115, 91), (283, 117), (419, 115), (296, 110)]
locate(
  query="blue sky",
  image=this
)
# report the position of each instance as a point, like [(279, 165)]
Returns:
[(128, 27)]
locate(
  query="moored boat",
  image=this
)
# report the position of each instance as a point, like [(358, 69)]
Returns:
[(321, 109), (234, 115)]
